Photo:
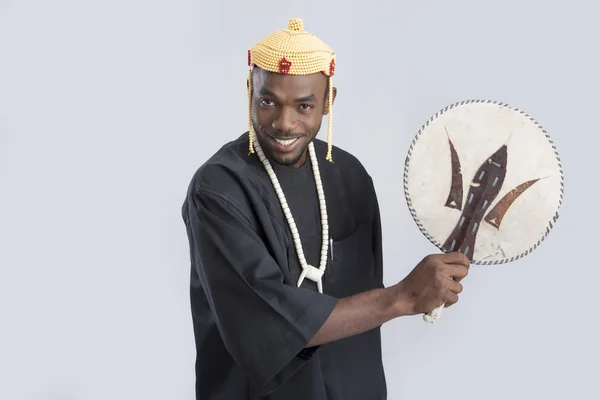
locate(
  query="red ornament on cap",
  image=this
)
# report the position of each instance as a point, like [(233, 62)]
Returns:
[(284, 66)]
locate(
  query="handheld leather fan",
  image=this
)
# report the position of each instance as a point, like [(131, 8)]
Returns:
[(485, 179)]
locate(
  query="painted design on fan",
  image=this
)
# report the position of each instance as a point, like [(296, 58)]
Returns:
[(483, 190), (455, 196), (495, 216)]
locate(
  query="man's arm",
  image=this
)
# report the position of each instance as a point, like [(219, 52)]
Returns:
[(433, 282), (357, 314)]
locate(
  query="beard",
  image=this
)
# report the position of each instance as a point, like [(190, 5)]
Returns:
[(288, 159)]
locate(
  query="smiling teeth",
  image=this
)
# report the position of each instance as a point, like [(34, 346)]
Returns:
[(285, 142)]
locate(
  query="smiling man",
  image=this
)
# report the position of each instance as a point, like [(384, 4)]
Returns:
[(288, 113), (284, 230)]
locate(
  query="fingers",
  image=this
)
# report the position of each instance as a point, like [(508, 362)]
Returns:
[(451, 299), (442, 274), (458, 272), (455, 287), (456, 258)]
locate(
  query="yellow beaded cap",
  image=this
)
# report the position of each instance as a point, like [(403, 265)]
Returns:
[(292, 51)]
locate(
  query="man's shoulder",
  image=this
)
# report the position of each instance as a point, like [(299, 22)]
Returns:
[(229, 166), (229, 177)]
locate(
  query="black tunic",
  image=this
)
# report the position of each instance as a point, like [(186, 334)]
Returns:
[(251, 321)]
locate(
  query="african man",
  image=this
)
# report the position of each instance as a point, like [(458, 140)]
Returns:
[(285, 238)]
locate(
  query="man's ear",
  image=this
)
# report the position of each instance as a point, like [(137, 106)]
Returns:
[(334, 90)]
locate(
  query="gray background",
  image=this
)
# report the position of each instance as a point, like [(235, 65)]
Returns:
[(108, 107)]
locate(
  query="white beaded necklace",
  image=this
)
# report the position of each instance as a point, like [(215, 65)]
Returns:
[(308, 271)]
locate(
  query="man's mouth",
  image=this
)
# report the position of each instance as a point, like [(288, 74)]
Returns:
[(286, 142)]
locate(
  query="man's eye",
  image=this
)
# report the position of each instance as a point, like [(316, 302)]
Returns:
[(305, 106), (266, 102)]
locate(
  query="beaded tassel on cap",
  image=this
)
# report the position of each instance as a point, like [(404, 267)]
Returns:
[(292, 51)]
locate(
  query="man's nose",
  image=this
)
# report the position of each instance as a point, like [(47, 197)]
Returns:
[(286, 121)]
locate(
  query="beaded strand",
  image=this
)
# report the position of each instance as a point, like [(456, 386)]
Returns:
[(308, 271)]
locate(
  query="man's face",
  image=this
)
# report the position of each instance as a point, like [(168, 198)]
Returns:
[(287, 111)]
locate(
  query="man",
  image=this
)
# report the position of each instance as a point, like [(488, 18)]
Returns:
[(287, 289)]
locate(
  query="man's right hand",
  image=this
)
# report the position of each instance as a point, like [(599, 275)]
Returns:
[(433, 282)]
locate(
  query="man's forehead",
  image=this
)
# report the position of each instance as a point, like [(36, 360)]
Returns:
[(276, 82)]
